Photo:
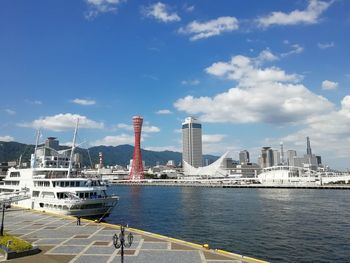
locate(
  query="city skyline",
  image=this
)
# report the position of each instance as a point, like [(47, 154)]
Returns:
[(255, 73)]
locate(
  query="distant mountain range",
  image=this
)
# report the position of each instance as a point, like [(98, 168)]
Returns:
[(112, 155)]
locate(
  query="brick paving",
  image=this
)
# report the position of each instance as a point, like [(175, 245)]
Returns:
[(61, 240)]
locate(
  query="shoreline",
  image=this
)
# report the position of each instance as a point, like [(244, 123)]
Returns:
[(212, 185)]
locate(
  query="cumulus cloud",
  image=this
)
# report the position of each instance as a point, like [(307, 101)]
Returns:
[(330, 133), (84, 102), (62, 122), (329, 85), (10, 112), (192, 82), (267, 95), (200, 30), (310, 15), (145, 128), (163, 112), (115, 140), (6, 138), (325, 45), (160, 12), (95, 7), (245, 70)]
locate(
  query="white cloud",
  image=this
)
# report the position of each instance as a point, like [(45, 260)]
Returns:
[(62, 122), (150, 129), (266, 55), (193, 82), (245, 70), (125, 126), (325, 45), (329, 85), (115, 140), (84, 102), (164, 148), (160, 12), (212, 138), (6, 138), (267, 95), (188, 8), (10, 112), (101, 6), (145, 128), (296, 49), (329, 133), (310, 15), (215, 27), (165, 111)]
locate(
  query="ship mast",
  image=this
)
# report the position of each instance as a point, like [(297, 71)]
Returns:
[(36, 147), (73, 147)]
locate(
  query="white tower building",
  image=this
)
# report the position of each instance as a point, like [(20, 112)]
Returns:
[(192, 142)]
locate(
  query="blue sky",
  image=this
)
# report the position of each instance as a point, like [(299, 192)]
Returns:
[(255, 72)]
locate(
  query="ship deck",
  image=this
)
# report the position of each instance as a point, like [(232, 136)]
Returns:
[(61, 240)]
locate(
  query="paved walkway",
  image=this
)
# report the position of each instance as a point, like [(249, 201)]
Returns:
[(61, 240)]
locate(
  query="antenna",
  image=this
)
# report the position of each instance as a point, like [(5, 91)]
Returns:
[(73, 147)]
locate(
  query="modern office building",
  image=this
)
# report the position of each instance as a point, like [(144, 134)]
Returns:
[(266, 159), (244, 157), (276, 158), (290, 157), (192, 142)]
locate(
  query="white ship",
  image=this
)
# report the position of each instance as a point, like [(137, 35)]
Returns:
[(55, 185), (285, 175)]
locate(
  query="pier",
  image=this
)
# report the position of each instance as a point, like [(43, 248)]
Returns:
[(61, 240)]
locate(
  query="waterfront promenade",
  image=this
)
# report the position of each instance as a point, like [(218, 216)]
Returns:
[(61, 240)]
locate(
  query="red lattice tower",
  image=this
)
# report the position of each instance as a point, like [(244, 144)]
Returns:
[(136, 172)]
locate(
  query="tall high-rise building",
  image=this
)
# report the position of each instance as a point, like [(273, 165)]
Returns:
[(266, 157), (192, 141), (308, 146), (276, 157), (244, 157), (52, 143), (136, 172), (290, 157)]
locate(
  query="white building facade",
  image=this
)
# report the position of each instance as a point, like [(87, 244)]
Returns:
[(192, 142)]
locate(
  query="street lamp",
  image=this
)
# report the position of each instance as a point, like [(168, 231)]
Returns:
[(119, 241)]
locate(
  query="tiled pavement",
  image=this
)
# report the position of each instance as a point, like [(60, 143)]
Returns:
[(61, 240)]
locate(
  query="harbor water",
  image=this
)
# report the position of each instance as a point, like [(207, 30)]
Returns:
[(278, 225)]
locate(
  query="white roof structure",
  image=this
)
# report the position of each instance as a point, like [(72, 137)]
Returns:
[(212, 170)]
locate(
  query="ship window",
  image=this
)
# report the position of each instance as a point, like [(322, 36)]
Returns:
[(81, 195), (77, 183), (62, 184), (36, 193), (66, 184), (72, 184), (54, 184), (41, 204), (15, 174), (86, 195)]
